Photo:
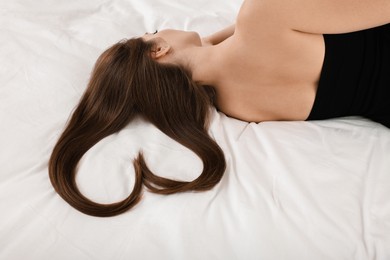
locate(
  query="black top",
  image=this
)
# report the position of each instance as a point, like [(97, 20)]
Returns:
[(355, 77)]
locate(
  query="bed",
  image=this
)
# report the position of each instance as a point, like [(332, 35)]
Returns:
[(292, 190)]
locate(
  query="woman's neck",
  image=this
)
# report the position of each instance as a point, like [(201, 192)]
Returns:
[(205, 63)]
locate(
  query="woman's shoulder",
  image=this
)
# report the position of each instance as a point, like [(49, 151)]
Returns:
[(313, 16)]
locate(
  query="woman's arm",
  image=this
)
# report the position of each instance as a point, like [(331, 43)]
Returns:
[(318, 16), (219, 36)]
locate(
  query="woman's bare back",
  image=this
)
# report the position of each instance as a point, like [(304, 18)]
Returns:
[(272, 79), (270, 67)]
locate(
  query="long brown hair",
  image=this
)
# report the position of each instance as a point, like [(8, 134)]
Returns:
[(126, 82)]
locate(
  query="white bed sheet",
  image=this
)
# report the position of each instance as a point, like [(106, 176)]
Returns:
[(292, 190)]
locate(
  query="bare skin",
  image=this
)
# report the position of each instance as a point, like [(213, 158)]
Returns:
[(267, 66)]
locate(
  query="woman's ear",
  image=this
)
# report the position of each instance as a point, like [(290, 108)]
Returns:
[(160, 48)]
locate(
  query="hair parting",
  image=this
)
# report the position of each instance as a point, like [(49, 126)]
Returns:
[(126, 82)]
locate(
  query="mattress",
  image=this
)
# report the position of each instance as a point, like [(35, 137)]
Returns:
[(291, 190)]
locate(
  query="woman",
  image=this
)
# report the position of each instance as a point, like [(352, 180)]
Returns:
[(282, 60)]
